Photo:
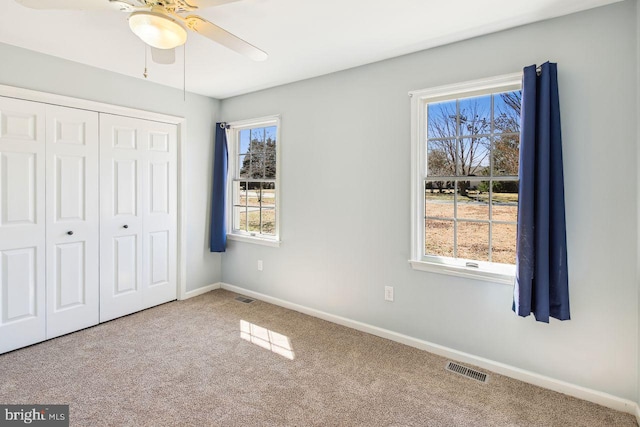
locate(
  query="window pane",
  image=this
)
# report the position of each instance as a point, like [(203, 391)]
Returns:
[(269, 221), (506, 112), (257, 164), (506, 155), (503, 243), (256, 149), (244, 141), (473, 199), (254, 194), (244, 163), (442, 122), (257, 135), (270, 134), (438, 200), (473, 156), (441, 157), (254, 220), (268, 199), (504, 202), (475, 115), (270, 162), (438, 238), (473, 240)]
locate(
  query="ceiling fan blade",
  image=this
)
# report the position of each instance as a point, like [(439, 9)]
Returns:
[(222, 36), (80, 4), (210, 3), (163, 56)]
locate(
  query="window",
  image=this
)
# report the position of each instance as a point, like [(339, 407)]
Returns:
[(254, 186), (465, 178)]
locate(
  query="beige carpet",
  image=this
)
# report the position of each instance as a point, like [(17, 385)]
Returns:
[(186, 363)]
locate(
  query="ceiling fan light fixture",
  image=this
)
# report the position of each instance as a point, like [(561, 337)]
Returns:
[(157, 30)]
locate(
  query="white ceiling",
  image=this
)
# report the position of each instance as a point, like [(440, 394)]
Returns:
[(303, 38)]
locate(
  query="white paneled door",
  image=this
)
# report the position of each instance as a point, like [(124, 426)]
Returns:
[(72, 220), (22, 223), (138, 212), (160, 210)]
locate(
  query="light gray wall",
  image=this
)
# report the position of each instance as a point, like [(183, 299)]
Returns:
[(31, 70), (638, 141), (346, 195)]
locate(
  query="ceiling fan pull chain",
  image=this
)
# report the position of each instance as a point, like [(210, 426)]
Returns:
[(145, 74)]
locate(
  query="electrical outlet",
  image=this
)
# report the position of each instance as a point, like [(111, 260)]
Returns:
[(259, 265), (388, 293)]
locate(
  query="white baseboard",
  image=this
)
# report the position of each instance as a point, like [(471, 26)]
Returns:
[(200, 291), (638, 413), (574, 390)]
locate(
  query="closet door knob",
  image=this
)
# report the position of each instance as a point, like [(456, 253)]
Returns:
[(125, 226), (70, 233)]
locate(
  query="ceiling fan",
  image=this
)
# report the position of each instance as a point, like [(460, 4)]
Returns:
[(161, 23)]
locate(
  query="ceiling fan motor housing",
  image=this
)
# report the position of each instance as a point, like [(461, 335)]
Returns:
[(157, 29)]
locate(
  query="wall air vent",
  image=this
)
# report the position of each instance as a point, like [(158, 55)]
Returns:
[(467, 372)]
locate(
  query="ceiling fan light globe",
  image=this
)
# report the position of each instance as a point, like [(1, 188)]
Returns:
[(157, 30)]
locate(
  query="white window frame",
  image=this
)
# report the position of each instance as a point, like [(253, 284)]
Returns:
[(233, 147), (487, 271)]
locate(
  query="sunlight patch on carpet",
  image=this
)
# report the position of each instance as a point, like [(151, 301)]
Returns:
[(267, 339)]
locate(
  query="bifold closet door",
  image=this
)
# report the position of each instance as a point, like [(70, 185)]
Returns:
[(22, 223), (72, 220), (138, 212)]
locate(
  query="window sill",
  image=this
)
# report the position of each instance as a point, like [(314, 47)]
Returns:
[(466, 272), (255, 240)]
